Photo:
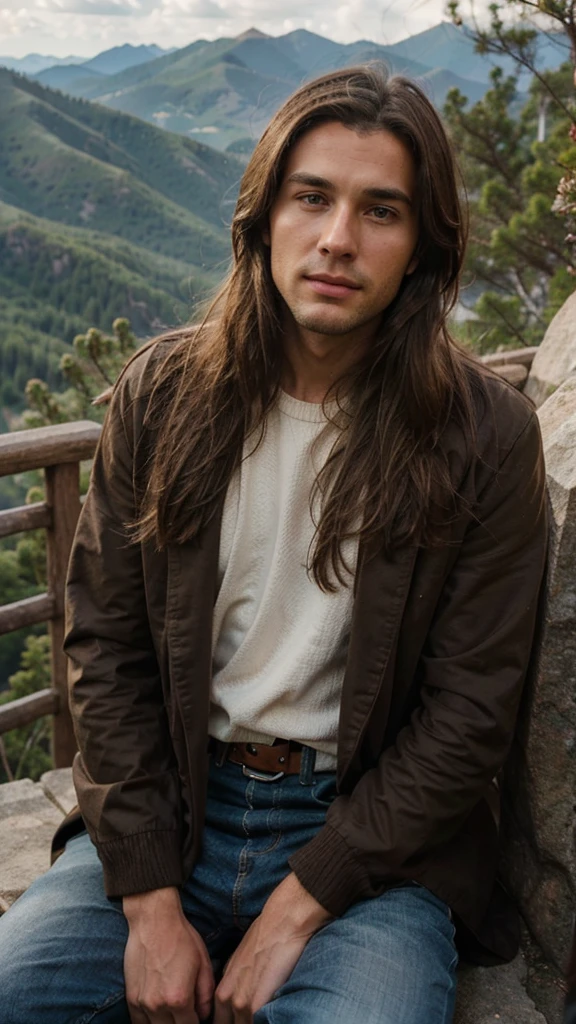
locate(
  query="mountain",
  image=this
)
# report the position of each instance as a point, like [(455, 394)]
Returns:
[(86, 165), (72, 77), (109, 62), (227, 90), (36, 62), (446, 46), (120, 57), (101, 215)]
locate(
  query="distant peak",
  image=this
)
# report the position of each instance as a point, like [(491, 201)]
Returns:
[(252, 33)]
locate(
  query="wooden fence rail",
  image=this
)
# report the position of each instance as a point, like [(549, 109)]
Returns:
[(58, 450)]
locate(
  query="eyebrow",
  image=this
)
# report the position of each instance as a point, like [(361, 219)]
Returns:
[(313, 181)]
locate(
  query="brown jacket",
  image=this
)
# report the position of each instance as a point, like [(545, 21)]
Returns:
[(439, 648)]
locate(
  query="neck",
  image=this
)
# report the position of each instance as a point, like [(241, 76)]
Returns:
[(314, 362)]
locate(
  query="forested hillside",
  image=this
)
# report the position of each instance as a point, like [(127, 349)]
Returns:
[(101, 215), (229, 88)]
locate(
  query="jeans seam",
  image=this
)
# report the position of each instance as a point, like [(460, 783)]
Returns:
[(243, 858), (104, 1006), (449, 994), (240, 877)]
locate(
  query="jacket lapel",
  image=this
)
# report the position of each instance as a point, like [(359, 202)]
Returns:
[(382, 586), (192, 585)]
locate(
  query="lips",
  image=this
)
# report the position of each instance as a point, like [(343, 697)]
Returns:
[(335, 287)]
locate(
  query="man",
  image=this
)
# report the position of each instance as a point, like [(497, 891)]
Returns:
[(307, 569)]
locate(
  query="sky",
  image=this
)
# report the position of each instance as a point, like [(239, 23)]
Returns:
[(86, 27)]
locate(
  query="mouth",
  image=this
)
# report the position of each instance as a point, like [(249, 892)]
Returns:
[(335, 287)]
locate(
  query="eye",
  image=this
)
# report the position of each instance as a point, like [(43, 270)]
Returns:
[(383, 212), (312, 199)]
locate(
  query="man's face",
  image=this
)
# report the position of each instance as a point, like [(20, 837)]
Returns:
[(343, 228)]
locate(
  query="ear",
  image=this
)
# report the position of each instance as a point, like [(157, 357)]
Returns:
[(412, 266), (265, 233)]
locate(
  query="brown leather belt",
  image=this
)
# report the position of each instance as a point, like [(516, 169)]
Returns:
[(283, 758)]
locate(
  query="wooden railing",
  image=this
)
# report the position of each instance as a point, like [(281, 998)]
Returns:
[(58, 450)]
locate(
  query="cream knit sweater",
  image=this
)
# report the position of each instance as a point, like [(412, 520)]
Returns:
[(280, 643)]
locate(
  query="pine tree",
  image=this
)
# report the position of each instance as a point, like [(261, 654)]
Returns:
[(523, 218)]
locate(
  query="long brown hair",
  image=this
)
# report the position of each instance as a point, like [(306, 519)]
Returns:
[(387, 479)]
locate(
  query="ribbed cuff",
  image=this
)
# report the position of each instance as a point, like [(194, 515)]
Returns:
[(329, 870), (141, 862)]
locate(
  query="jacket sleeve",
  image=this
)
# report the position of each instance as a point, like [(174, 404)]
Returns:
[(125, 772), (474, 666)]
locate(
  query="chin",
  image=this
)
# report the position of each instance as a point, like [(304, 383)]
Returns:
[(321, 323)]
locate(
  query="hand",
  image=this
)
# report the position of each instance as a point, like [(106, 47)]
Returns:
[(268, 953), (167, 969)]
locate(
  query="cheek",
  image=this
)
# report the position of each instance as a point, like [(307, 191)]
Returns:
[(280, 262), (396, 258), (287, 248), (291, 231)]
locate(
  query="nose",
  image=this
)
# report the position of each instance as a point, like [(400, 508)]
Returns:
[(338, 237)]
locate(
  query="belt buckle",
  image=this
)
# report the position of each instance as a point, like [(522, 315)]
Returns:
[(251, 773)]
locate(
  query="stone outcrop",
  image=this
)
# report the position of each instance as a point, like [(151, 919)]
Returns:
[(555, 359), (59, 788), (522, 356), (28, 819), (29, 814), (495, 995), (539, 844)]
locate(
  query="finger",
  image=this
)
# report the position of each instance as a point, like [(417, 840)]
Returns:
[(187, 1016), (222, 1012), (204, 989), (243, 1016), (160, 1017), (137, 1015)]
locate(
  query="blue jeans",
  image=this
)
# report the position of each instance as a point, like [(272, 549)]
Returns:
[(389, 960)]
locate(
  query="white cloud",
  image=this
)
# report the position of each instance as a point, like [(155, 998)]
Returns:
[(90, 26), (194, 8)]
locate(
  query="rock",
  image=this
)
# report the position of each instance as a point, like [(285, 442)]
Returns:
[(514, 373), (59, 788), (558, 408), (495, 995), (524, 356), (540, 785), (27, 823), (556, 356)]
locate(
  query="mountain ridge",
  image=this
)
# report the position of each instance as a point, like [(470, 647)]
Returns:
[(101, 215), (230, 87)]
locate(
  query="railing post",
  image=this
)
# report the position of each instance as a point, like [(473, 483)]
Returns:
[(63, 498), (59, 449)]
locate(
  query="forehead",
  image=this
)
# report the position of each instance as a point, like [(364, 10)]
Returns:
[(348, 158)]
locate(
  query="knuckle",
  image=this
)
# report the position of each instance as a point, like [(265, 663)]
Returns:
[(150, 1005), (178, 1001), (156, 1004)]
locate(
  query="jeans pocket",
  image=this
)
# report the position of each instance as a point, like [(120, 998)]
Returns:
[(323, 790)]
